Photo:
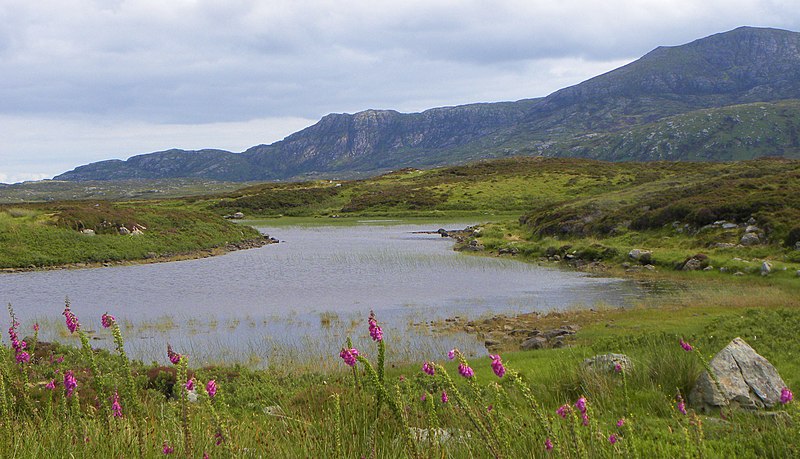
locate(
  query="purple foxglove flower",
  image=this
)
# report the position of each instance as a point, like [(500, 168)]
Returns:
[(621, 422), (497, 366), (786, 395), (444, 397), (349, 356), (428, 368), (116, 408), (451, 354), (23, 357), (617, 368), (70, 319), (36, 327), (211, 388), (108, 320), (190, 384), (548, 445), (374, 330), (51, 385), (167, 449), (686, 346), (581, 405), (174, 357), (465, 371), (563, 411), (612, 439), (70, 383)]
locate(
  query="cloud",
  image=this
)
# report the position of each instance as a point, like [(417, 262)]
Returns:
[(200, 62)]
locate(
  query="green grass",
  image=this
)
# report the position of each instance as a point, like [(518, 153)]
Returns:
[(50, 234)]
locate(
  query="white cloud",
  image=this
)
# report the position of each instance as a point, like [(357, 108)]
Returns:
[(158, 65)]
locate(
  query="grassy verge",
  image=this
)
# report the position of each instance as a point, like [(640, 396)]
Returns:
[(42, 235)]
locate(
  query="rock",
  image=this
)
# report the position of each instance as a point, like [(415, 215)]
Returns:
[(708, 268), (136, 232), (728, 226), (650, 267), (695, 263), (797, 245), (609, 362), (723, 245), (738, 273), (642, 256), (534, 342), (491, 343), (237, 215), (558, 343), (88, 232), (442, 231), (747, 380), (752, 229), (766, 268), (751, 221), (124, 231), (720, 222), (723, 269), (798, 273), (550, 334), (750, 239), (556, 258)]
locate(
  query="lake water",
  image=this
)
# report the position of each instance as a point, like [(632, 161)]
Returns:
[(302, 296)]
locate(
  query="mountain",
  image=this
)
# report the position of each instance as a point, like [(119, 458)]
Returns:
[(716, 77)]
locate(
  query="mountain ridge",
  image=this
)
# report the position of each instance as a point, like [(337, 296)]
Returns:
[(728, 69)]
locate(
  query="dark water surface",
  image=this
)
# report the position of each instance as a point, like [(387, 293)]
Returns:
[(302, 296)]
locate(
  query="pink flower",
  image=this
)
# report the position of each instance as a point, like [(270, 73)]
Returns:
[(786, 395), (51, 385), (116, 408), (497, 366), (167, 449), (444, 397), (108, 320), (211, 388), (374, 330), (612, 439), (349, 356), (23, 357), (563, 411), (70, 319), (465, 371), (428, 368), (189, 384), (174, 357), (686, 346), (36, 327), (423, 397), (205, 455), (548, 445), (681, 406), (581, 405), (70, 383), (451, 354), (621, 422), (617, 368)]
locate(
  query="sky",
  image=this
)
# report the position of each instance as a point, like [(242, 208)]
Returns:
[(89, 80)]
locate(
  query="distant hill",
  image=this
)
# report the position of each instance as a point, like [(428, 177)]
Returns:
[(688, 102)]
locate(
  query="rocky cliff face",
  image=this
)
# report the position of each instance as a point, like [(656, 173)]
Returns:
[(736, 67)]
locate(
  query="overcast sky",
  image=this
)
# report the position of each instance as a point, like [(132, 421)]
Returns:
[(87, 80)]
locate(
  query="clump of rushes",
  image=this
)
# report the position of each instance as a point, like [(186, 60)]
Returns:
[(110, 321)]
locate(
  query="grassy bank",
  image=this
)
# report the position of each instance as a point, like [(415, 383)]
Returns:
[(43, 235), (281, 413)]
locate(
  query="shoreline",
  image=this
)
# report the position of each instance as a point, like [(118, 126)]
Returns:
[(245, 244)]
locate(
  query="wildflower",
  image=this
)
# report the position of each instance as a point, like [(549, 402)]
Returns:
[(116, 408), (681, 405), (621, 422), (205, 455), (490, 408), (548, 445), (786, 396), (617, 368), (563, 411), (211, 388), (374, 330), (36, 327), (70, 383), (167, 449), (444, 397), (174, 357), (23, 357), (349, 356), (581, 405), (612, 439), (428, 368), (423, 397), (70, 319), (189, 384), (219, 438), (451, 354), (686, 346), (497, 366), (51, 385), (465, 371), (108, 320)]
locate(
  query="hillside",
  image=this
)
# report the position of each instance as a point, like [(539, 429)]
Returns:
[(726, 71)]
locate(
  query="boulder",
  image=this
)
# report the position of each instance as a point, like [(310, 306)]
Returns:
[(609, 362), (728, 226), (534, 342), (723, 245), (642, 256), (798, 273), (752, 229), (88, 232), (695, 263), (766, 268), (746, 378), (751, 221), (750, 239), (124, 231), (237, 215)]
